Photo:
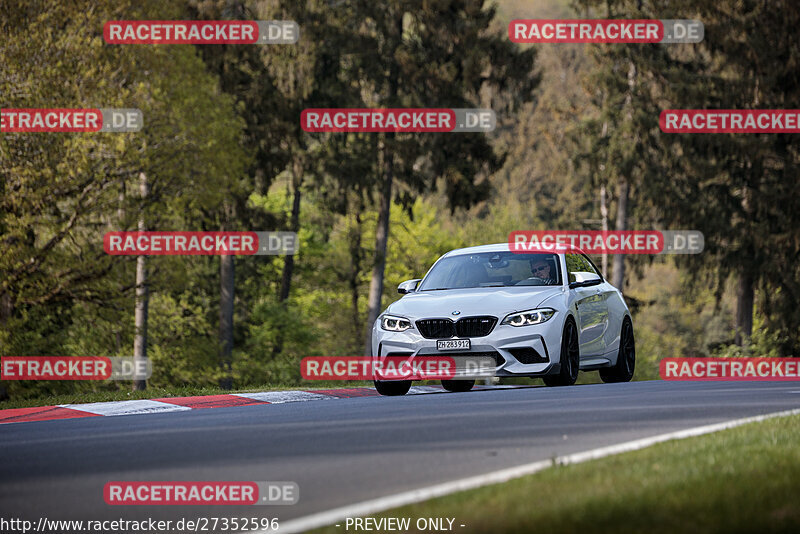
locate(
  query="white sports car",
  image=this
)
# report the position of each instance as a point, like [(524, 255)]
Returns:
[(537, 314)]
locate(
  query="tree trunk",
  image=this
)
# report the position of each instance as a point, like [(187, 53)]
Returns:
[(226, 276), (226, 296), (381, 238), (394, 33), (355, 269), (604, 219), (621, 224), (744, 308), (745, 282), (6, 308), (6, 311), (623, 187), (142, 301), (288, 259), (294, 226)]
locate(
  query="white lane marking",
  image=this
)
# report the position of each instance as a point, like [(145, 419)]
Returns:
[(329, 517), (278, 397), (419, 390), (131, 407), (505, 386)]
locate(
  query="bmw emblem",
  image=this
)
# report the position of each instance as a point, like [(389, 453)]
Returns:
[(456, 312)]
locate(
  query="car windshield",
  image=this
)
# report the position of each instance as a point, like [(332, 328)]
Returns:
[(493, 269)]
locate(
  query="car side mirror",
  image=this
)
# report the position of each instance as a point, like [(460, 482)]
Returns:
[(584, 279), (409, 286)]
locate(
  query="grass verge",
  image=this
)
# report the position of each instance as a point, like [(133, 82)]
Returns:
[(745, 479)]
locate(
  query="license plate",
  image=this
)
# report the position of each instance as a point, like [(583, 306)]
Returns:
[(452, 344)]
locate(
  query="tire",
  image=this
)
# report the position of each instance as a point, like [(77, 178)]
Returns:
[(626, 358), (392, 388), (458, 385), (570, 357)]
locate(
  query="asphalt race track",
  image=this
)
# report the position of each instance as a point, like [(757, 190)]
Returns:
[(349, 450)]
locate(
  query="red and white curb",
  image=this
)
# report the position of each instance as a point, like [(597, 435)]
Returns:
[(182, 404)]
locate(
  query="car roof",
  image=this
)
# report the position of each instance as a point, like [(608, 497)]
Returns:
[(497, 247), (504, 247)]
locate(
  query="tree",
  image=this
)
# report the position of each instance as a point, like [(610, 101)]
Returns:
[(742, 187), (738, 189), (616, 140), (414, 54), (61, 192), (242, 76), (142, 299)]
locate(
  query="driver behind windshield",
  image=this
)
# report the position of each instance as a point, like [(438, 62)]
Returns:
[(540, 268)]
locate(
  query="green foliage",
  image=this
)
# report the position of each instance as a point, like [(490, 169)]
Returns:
[(222, 144), (62, 295)]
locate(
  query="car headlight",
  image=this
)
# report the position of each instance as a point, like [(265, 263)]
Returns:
[(395, 324), (529, 317)]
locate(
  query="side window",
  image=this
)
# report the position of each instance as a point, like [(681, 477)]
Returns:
[(579, 263)]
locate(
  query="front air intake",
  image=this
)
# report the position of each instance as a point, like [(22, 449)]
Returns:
[(436, 328), (477, 326), (527, 355)]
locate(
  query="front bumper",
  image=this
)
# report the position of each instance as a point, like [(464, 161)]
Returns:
[(519, 351)]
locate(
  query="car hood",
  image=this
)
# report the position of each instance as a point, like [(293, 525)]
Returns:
[(497, 301)]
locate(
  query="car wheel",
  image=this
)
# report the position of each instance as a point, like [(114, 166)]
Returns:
[(458, 385), (570, 358), (626, 358), (392, 388)]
